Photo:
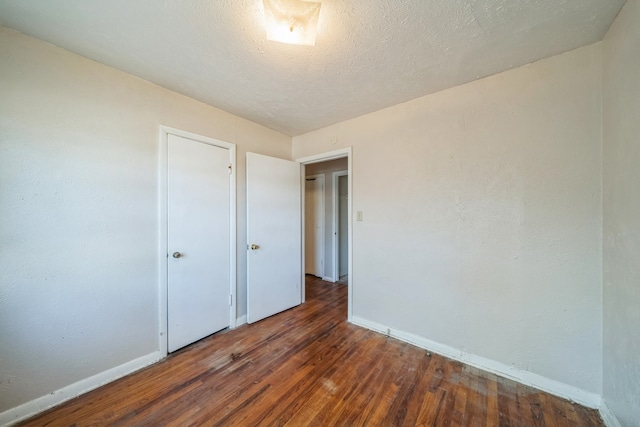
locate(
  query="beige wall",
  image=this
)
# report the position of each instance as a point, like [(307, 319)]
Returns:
[(79, 212), (482, 217), (622, 216)]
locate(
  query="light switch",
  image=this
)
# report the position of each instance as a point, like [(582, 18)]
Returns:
[(359, 216)]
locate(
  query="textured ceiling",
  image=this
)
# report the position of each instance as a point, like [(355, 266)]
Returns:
[(369, 54)]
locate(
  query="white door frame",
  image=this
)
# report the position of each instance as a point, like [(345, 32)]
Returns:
[(163, 253), (323, 157), (320, 178), (336, 204)]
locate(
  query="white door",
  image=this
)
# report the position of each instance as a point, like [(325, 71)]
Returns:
[(274, 239), (314, 225), (198, 236)]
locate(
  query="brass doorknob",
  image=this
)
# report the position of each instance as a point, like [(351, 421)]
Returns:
[(254, 247), (177, 255)]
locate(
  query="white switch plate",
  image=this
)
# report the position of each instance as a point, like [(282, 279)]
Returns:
[(359, 216)]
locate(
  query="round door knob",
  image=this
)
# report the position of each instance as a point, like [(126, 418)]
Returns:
[(254, 247), (177, 254)]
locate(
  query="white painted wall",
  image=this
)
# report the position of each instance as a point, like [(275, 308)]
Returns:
[(79, 212), (326, 168), (482, 217), (621, 134)]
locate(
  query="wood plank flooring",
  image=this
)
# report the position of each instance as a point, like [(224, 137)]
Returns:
[(308, 366)]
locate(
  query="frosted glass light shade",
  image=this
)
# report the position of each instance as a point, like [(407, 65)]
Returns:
[(292, 21)]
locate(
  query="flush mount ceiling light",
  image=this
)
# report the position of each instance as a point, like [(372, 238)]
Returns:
[(292, 21)]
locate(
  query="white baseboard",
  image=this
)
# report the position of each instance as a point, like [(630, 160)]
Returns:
[(33, 407), (329, 279), (241, 320), (585, 398), (607, 416)]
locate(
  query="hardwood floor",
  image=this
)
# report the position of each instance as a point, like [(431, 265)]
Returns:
[(308, 366)]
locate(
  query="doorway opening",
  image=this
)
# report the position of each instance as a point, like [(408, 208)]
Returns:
[(327, 253), (314, 224)]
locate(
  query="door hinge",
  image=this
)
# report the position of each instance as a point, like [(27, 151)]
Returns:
[(230, 299), (229, 168)]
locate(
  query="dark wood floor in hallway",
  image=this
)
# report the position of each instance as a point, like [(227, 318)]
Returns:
[(308, 366)]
